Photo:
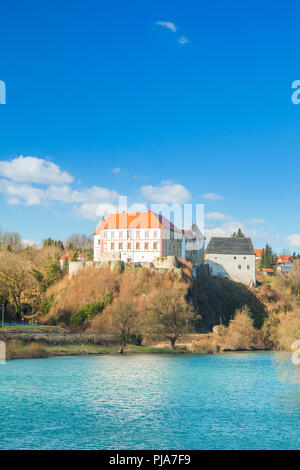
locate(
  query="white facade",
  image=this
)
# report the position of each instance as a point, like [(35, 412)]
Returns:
[(239, 268), (134, 244)]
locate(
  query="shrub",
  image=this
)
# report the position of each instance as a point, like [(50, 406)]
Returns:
[(204, 346), (240, 334), (90, 310)]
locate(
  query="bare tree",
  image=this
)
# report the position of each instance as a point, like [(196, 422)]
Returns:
[(12, 241), (170, 315), (125, 320), (17, 284)]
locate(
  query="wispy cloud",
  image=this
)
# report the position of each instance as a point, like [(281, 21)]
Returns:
[(172, 27), (293, 240), (183, 40), (212, 196), (257, 221), (116, 170), (166, 193), (167, 24), (217, 216)]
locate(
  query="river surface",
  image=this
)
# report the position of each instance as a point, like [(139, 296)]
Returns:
[(229, 401)]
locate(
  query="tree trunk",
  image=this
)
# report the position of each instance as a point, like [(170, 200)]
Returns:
[(173, 341)]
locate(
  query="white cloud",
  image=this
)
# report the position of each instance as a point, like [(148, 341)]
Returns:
[(212, 196), (167, 24), (167, 193), (95, 211), (21, 193), (216, 216), (34, 181), (293, 240), (33, 170), (225, 230), (183, 40), (116, 170)]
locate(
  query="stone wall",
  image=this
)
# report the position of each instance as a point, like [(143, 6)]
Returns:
[(60, 338)]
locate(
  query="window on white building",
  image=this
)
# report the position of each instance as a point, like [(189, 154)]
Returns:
[(146, 234), (138, 235), (239, 266), (120, 235), (137, 246), (154, 246), (105, 234), (99, 242), (112, 246), (146, 246), (128, 246), (129, 233), (121, 246), (248, 266), (155, 234)]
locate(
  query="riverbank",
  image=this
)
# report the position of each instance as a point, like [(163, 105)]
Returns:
[(19, 350), (22, 343)]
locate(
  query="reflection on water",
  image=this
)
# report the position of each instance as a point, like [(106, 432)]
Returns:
[(230, 401)]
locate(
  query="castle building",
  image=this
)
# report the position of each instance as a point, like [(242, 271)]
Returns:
[(141, 237)]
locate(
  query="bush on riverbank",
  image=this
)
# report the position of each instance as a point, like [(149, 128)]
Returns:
[(240, 335)]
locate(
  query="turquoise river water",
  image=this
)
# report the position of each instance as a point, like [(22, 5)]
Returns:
[(229, 401)]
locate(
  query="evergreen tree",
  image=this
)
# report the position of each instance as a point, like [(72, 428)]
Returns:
[(268, 258), (238, 234)]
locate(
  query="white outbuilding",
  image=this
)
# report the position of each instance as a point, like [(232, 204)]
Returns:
[(233, 258)]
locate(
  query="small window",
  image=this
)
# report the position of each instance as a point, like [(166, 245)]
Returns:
[(244, 257), (234, 257), (147, 234), (120, 246), (154, 246), (248, 266), (239, 266), (138, 235), (99, 242), (120, 235), (155, 234), (112, 235), (216, 257), (146, 246), (112, 246), (129, 234), (128, 246), (105, 234), (137, 246)]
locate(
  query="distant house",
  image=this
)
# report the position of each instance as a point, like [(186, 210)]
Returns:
[(267, 271), (284, 263), (258, 253), (233, 258)]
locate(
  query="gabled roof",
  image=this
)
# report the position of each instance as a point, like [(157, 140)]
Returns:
[(127, 220), (258, 252), (284, 259), (231, 246)]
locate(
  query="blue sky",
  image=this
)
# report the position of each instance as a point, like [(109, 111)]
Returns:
[(173, 98)]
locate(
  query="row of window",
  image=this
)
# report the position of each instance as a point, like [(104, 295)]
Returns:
[(130, 246), (128, 234)]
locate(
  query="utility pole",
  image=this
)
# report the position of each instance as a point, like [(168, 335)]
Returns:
[(2, 314), (32, 315)]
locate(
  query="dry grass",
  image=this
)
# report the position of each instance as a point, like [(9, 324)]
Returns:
[(20, 350)]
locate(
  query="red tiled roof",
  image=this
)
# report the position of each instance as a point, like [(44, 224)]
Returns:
[(258, 252), (267, 270), (284, 259), (135, 220)]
